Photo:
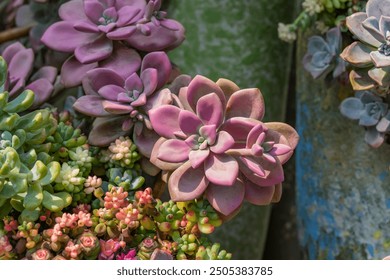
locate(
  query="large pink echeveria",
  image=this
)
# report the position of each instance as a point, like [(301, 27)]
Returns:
[(20, 62), (94, 31), (214, 144), (121, 105)]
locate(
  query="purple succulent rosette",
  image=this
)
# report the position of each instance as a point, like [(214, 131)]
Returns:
[(214, 144), (121, 105), (373, 114), (20, 62), (370, 54), (95, 32)]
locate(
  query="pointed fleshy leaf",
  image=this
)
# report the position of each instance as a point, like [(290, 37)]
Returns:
[(42, 89), (360, 80), (46, 72), (273, 173), (94, 51), (209, 133), (128, 15), (21, 65), (187, 183), (121, 33), (163, 165), (100, 77), (197, 157), (73, 72), (11, 50), (149, 79), (111, 92), (380, 76), (72, 10), (380, 60), (61, 36), (160, 62), (253, 165), (91, 105), (226, 199), (201, 86), (239, 128), (224, 142), (354, 24), (258, 195), (116, 108), (358, 54), (106, 130), (228, 87), (221, 169), (247, 103), (189, 122), (134, 82), (174, 151), (164, 120), (210, 110), (94, 10)]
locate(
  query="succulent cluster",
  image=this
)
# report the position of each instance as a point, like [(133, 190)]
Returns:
[(122, 229)]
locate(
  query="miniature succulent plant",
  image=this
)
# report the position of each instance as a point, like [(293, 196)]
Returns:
[(372, 113), (121, 105), (95, 32), (219, 147), (20, 66), (370, 53), (322, 55)]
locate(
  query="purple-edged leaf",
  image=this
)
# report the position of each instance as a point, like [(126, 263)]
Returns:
[(91, 105), (354, 24), (224, 142), (110, 92), (94, 10), (279, 150), (258, 195), (145, 141), (285, 130), (179, 82), (94, 51), (133, 82), (197, 157), (209, 133), (380, 60), (61, 36), (273, 173), (163, 165), (106, 130), (226, 199), (100, 77), (247, 103), (10, 51), (174, 151), (239, 128), (253, 165), (86, 26), (210, 110), (221, 169), (187, 183), (123, 60), (21, 65), (160, 62), (165, 120), (149, 79), (352, 108), (358, 54), (141, 101), (201, 86), (121, 33), (42, 89), (116, 107), (189, 122), (256, 135), (373, 137), (73, 72), (228, 87), (128, 15), (46, 72), (72, 10)]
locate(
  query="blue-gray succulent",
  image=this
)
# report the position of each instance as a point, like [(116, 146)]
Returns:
[(322, 55), (372, 112)]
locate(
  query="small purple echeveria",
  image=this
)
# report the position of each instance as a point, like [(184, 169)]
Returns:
[(121, 105), (108, 249), (373, 114), (219, 147), (130, 255), (94, 31), (20, 62)]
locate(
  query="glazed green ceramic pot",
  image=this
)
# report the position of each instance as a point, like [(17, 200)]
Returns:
[(238, 40)]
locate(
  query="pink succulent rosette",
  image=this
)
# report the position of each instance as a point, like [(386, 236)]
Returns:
[(95, 30), (214, 144)]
